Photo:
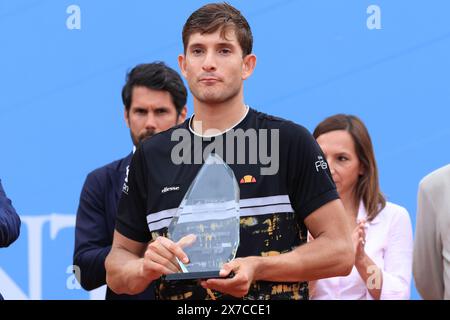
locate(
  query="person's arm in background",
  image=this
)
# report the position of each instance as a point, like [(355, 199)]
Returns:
[(368, 270), (427, 263), (9, 220), (393, 281), (92, 244)]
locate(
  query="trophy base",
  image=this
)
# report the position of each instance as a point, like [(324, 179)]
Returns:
[(192, 275)]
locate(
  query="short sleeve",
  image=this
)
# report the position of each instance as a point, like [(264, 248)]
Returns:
[(310, 183), (131, 219)]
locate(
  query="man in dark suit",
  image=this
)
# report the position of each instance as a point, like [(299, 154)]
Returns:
[(154, 98), (9, 222)]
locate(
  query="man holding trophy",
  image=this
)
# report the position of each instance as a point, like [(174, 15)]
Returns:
[(206, 217)]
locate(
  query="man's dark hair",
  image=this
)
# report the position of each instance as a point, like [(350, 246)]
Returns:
[(155, 76), (214, 16)]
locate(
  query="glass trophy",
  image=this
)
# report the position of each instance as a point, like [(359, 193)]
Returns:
[(206, 224)]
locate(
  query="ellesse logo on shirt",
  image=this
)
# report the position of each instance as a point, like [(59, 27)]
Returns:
[(247, 179), (170, 189)]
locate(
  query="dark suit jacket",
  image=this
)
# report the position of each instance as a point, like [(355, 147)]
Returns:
[(96, 218), (9, 222)]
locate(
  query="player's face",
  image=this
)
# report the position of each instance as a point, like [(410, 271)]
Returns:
[(151, 111), (339, 149), (214, 67)]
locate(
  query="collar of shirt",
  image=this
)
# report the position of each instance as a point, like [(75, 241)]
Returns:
[(190, 126), (362, 214)]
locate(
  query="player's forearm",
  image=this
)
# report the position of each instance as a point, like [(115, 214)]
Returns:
[(124, 272), (321, 258)]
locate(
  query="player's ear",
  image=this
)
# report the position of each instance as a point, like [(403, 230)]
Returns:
[(248, 66), (182, 64)]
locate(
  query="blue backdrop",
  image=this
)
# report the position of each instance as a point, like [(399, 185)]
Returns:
[(61, 114)]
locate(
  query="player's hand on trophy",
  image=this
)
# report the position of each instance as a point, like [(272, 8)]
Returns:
[(237, 274), (161, 256)]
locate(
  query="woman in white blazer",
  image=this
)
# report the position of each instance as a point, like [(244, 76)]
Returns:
[(382, 231)]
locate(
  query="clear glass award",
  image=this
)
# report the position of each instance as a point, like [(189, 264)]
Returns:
[(206, 224)]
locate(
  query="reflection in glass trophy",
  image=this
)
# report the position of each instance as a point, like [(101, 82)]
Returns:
[(206, 223)]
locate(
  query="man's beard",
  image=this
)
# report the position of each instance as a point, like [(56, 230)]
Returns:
[(143, 136), (146, 135)]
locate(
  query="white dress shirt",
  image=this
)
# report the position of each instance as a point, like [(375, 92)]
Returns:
[(389, 244)]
